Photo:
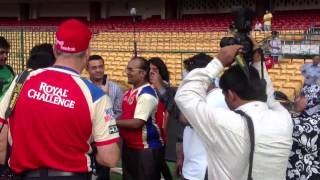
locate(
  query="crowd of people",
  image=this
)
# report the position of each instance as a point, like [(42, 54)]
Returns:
[(219, 124)]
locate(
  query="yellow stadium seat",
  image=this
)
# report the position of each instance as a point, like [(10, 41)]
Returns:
[(277, 84), (285, 61), (297, 78), (297, 61), (308, 61), (296, 85), (274, 71), (290, 92)]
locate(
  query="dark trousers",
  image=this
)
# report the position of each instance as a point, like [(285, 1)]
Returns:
[(57, 178), (141, 164), (47, 178), (165, 171), (76, 177), (103, 173), (51, 174)]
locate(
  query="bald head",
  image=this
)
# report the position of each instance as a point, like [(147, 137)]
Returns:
[(138, 71), (144, 65)]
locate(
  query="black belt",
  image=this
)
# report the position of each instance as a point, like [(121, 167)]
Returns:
[(47, 172)]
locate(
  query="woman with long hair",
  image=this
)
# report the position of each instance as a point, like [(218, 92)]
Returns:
[(160, 80)]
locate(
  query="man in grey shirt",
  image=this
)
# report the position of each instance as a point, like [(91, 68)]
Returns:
[(311, 72), (95, 68)]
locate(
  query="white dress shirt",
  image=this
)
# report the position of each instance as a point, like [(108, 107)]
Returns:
[(195, 159), (225, 134)]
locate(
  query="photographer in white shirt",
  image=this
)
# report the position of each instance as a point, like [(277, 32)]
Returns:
[(224, 133), (193, 153)]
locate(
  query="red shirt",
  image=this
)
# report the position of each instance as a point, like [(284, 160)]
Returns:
[(57, 116), (161, 120), (269, 62), (141, 103)]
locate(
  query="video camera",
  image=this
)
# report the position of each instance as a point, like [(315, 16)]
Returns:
[(243, 27)]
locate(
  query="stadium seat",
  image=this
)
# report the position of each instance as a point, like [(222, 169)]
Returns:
[(290, 92), (113, 38)]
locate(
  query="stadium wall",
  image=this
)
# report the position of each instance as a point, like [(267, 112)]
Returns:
[(66, 9), (296, 5), (145, 8), (9, 9), (213, 7)]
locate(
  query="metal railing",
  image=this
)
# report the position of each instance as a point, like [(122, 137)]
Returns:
[(185, 44)]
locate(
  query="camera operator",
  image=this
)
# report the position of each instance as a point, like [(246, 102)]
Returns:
[(225, 133)]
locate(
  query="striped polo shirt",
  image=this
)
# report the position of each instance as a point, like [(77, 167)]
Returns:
[(141, 103)]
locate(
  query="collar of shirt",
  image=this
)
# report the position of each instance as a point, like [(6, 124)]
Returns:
[(132, 90), (254, 106), (136, 89), (64, 69)]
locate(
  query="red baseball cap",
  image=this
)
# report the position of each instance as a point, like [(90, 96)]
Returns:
[(72, 36)]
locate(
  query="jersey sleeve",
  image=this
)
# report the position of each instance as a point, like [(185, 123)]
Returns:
[(146, 105), (104, 127)]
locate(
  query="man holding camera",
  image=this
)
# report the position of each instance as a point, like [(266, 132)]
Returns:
[(225, 133)]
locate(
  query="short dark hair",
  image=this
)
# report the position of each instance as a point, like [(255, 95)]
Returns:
[(4, 43), (274, 33), (247, 89), (144, 65), (95, 57), (41, 56), (163, 70), (200, 60)]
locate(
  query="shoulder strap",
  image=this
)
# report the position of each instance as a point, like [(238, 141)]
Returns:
[(252, 141), (16, 92)]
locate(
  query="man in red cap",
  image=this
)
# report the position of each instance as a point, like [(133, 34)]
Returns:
[(58, 115)]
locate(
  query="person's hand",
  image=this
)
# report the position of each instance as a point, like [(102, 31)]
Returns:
[(179, 164), (105, 88), (180, 159), (156, 80), (226, 54)]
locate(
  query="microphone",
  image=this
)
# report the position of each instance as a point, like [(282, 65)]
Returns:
[(242, 63), (133, 13)]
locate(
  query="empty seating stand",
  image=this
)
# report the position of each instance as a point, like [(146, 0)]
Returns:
[(286, 76), (171, 40)]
